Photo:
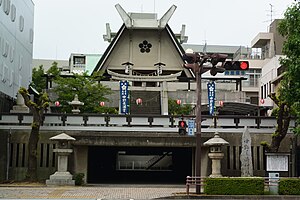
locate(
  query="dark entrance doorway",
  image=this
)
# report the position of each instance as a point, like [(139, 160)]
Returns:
[(138, 165)]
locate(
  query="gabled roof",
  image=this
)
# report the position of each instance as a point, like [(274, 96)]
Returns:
[(109, 49), (105, 56)]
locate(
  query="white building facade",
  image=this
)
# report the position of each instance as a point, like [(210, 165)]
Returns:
[(16, 47)]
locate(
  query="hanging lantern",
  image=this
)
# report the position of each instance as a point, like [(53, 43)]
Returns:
[(178, 101), (139, 101), (102, 103), (57, 104), (221, 103), (262, 101)]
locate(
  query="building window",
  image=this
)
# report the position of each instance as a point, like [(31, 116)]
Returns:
[(5, 73), (31, 36), (13, 13), (79, 60), (20, 62), (5, 47), (6, 6), (262, 92), (265, 91), (11, 54), (21, 24), (145, 46), (11, 78)]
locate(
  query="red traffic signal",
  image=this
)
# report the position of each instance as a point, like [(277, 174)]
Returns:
[(236, 65), (182, 127)]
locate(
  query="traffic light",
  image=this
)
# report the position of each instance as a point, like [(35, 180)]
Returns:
[(182, 127), (236, 65)]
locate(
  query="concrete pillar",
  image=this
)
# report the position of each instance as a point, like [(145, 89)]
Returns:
[(81, 160), (164, 98)]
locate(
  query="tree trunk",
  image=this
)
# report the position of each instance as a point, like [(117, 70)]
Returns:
[(37, 110), (32, 154), (283, 121), (33, 144)]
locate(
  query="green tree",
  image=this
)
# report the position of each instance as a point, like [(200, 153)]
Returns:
[(178, 109), (88, 88), (53, 70), (38, 79), (288, 94), (37, 109)]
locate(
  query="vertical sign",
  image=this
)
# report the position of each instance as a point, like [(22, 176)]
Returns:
[(211, 96), (124, 97), (191, 127)]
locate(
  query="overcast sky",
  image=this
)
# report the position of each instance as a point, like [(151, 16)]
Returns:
[(63, 27)]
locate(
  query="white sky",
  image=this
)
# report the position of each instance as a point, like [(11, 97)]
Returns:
[(63, 27)]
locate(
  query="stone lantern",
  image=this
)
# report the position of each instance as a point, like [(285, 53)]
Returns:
[(76, 104), (215, 154), (63, 150)]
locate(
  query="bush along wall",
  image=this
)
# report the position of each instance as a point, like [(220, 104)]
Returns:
[(234, 186), (289, 186)]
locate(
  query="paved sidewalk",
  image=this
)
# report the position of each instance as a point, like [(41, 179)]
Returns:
[(105, 191)]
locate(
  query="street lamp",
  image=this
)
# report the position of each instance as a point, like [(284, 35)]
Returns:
[(195, 61)]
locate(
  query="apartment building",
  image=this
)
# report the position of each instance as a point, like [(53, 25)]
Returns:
[(16, 42)]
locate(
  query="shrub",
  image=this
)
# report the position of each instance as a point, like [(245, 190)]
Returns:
[(79, 178), (289, 186), (234, 186)]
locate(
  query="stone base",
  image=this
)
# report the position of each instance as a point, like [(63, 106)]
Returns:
[(60, 178), (215, 176), (19, 109)]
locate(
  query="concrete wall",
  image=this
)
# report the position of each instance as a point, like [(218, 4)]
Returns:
[(79, 159)]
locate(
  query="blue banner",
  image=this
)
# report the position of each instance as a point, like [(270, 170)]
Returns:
[(211, 96), (124, 97), (191, 127)]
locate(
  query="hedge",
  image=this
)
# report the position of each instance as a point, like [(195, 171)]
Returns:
[(289, 186), (234, 186)]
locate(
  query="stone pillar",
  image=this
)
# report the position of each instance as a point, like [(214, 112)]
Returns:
[(215, 154), (216, 164), (62, 176), (20, 107), (76, 105)]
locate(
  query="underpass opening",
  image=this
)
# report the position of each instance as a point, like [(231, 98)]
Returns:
[(138, 164)]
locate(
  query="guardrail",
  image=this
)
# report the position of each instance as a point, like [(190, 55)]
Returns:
[(107, 120)]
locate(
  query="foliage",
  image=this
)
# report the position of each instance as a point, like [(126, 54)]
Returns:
[(178, 109), (53, 70), (38, 81), (78, 177), (234, 186), (88, 89), (289, 27), (289, 186), (288, 93)]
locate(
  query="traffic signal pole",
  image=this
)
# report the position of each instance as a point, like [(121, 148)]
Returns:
[(195, 62), (197, 70)]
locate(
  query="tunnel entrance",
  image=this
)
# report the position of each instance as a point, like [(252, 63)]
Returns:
[(138, 164)]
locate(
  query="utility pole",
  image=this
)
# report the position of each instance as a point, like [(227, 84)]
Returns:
[(195, 62)]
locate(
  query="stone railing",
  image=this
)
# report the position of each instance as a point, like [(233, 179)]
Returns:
[(150, 121)]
